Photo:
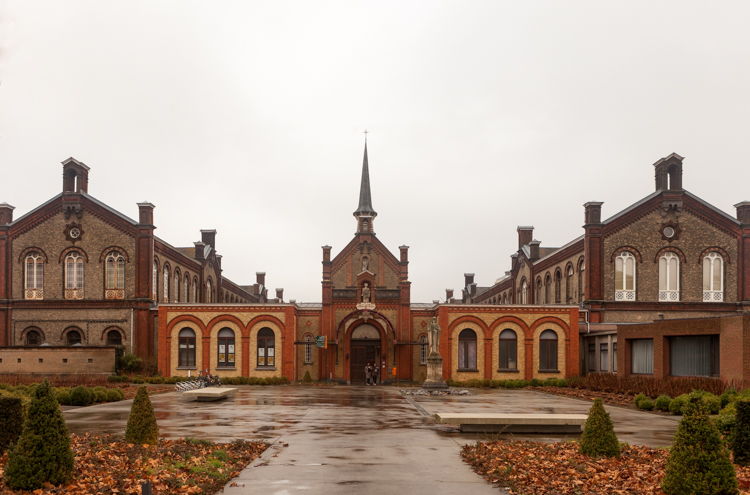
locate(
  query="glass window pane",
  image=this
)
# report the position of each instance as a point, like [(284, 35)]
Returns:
[(630, 273), (718, 274), (662, 274), (706, 274)]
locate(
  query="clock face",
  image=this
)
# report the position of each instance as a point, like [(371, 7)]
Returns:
[(668, 232), (74, 233)]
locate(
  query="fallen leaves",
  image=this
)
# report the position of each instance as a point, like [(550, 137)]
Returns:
[(106, 464), (535, 468)]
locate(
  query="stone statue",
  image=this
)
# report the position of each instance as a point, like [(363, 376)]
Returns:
[(366, 293), (433, 337)]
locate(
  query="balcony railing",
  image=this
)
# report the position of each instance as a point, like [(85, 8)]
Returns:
[(37, 294), (669, 295), (73, 293), (624, 295), (713, 296)]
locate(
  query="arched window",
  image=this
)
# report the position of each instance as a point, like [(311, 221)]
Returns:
[(33, 338), (625, 277), (186, 289), (569, 285), (196, 286), (73, 337), (155, 281), (114, 276), (308, 349), (34, 276), (548, 351), (558, 286), (524, 292), (176, 297), (669, 277), (209, 291), (226, 348), (508, 350), (467, 350), (548, 289), (266, 348), (713, 278), (186, 352), (423, 349), (581, 268), (539, 291), (114, 337), (165, 288), (74, 276)]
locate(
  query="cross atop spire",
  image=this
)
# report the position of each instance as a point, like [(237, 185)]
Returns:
[(365, 213)]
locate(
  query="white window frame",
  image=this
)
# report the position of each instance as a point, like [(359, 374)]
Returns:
[(669, 262), (710, 292), (74, 271), (33, 276), (625, 293)]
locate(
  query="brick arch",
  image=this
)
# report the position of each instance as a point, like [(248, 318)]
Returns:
[(472, 319), (182, 318), (670, 249), (355, 315), (715, 249), (569, 264), (579, 263), (71, 249), (104, 333), (72, 328), (109, 249), (630, 249), (260, 318), (510, 319), (225, 317), (32, 328), (32, 249), (551, 319)]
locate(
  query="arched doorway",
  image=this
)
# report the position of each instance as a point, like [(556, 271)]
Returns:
[(365, 348)]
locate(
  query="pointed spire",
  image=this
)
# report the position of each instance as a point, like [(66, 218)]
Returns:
[(365, 198)]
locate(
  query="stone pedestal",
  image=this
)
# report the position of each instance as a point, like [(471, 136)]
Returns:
[(434, 379)]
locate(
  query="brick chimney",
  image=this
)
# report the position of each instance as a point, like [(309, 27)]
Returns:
[(743, 212), (525, 235), (279, 295), (468, 279), (209, 237), (593, 213), (404, 250), (145, 213), (534, 250), (448, 295), (6, 213), (326, 254), (199, 250), (260, 278)]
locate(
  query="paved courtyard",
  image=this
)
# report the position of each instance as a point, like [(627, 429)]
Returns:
[(353, 439)]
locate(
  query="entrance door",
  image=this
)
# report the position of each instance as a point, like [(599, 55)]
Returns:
[(363, 352)]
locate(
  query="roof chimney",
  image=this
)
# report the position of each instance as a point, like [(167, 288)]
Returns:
[(279, 295), (145, 213), (404, 253), (593, 212), (200, 250), (209, 237), (743, 212), (534, 250), (260, 278), (6, 213), (525, 235), (326, 254), (448, 295), (468, 279)]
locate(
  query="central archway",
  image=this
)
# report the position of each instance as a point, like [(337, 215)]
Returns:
[(365, 347)]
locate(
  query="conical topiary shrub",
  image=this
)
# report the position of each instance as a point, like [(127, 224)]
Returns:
[(11, 420), (142, 426), (599, 439), (42, 453), (698, 461), (741, 442)]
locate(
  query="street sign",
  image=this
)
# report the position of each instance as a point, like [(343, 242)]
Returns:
[(321, 341)]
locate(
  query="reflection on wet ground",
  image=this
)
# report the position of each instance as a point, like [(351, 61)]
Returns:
[(341, 439)]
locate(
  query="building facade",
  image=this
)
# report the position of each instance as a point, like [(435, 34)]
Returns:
[(366, 316), (76, 272), (669, 256)]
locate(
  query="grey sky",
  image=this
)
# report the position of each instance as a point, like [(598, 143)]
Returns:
[(247, 117)]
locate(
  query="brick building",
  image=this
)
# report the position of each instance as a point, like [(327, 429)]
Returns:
[(669, 256), (366, 315), (75, 272)]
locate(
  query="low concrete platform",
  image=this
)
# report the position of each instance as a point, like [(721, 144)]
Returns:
[(514, 423), (210, 393)]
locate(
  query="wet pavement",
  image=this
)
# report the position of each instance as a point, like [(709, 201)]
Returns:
[(344, 439)]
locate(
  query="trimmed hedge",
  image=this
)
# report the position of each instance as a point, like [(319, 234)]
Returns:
[(662, 403), (81, 396), (244, 380), (598, 438), (511, 384), (698, 460), (42, 453), (741, 437), (142, 427)]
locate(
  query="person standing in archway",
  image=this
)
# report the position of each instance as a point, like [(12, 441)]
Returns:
[(368, 373), (375, 373)]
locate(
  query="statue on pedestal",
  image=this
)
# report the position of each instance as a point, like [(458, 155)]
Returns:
[(434, 379)]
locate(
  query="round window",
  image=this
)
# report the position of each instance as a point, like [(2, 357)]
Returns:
[(668, 232)]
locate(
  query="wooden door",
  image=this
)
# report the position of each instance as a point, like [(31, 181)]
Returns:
[(361, 354)]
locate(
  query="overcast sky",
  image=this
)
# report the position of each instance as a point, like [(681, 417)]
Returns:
[(247, 117)]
